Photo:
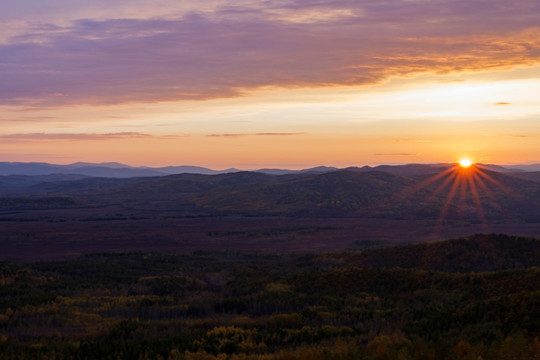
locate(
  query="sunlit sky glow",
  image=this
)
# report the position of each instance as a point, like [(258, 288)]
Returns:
[(253, 84)]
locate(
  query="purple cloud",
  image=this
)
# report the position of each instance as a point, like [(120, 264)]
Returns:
[(284, 44)]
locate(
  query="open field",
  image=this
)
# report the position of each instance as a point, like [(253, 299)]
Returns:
[(52, 234)]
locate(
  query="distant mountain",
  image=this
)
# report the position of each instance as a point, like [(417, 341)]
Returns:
[(16, 168), (355, 192), (408, 169), (529, 167), (427, 169), (499, 168), (314, 170), (171, 170), (110, 169), (358, 193), (114, 172), (118, 170), (112, 165)]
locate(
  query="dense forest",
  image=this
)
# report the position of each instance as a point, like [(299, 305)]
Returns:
[(470, 298)]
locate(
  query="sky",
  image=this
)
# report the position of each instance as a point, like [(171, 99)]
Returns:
[(285, 83)]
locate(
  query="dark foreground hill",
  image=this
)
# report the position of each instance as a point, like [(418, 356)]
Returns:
[(371, 305), (476, 253)]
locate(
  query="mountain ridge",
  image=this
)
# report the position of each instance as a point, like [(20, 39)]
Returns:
[(352, 192), (118, 170)]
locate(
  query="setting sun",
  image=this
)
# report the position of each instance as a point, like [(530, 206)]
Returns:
[(465, 163)]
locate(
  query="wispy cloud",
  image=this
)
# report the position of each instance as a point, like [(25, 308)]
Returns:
[(502, 103), (397, 154), (29, 119), (279, 134), (230, 49), (226, 135), (73, 136), (256, 134)]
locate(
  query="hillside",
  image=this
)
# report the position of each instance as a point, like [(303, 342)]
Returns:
[(344, 193), (476, 253), (351, 193), (340, 193), (57, 216), (236, 305)]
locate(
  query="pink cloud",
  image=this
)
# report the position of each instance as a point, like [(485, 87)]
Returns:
[(232, 135), (237, 49), (75, 136)]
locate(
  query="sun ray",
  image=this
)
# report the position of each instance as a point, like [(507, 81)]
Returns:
[(450, 177), (487, 191), (446, 206), (462, 204), (501, 186), (476, 198), (424, 183), (462, 192)]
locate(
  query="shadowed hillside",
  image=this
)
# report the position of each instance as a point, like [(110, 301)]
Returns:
[(341, 193), (475, 253), (353, 193), (447, 194), (58, 216)]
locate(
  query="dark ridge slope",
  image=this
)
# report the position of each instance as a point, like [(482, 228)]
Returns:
[(340, 193), (480, 252)]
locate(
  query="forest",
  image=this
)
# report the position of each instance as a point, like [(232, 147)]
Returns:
[(469, 298)]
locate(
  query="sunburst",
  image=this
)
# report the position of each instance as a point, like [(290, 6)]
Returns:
[(465, 163), (463, 180)]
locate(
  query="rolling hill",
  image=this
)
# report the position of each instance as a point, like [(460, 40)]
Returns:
[(344, 193), (352, 193)]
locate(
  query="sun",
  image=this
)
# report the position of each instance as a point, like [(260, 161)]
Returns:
[(465, 163)]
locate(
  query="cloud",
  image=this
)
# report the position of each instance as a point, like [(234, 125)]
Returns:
[(397, 154), (30, 119), (229, 50), (502, 103), (74, 136), (279, 134), (227, 135), (256, 134)]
